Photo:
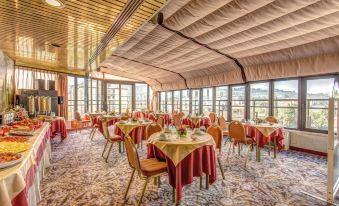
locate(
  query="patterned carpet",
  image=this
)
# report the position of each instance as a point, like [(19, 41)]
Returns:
[(80, 176)]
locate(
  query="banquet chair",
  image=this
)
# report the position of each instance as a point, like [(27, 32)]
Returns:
[(238, 136), (84, 122), (224, 126), (271, 119), (161, 121), (109, 138), (152, 128), (212, 117), (216, 132), (94, 125), (146, 168)]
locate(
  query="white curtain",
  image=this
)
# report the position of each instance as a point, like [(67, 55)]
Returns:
[(25, 78)]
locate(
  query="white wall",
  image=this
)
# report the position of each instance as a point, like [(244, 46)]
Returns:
[(308, 140)]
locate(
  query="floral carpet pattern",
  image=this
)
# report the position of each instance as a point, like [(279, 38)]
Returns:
[(80, 176)]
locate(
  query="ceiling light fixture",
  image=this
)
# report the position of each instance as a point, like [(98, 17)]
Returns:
[(54, 3)]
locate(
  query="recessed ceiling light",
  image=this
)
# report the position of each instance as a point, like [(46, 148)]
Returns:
[(54, 3)]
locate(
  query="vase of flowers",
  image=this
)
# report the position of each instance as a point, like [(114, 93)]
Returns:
[(182, 132)]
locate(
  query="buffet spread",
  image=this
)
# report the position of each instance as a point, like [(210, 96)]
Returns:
[(24, 154)]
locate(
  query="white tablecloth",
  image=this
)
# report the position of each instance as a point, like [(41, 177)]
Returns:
[(12, 179)]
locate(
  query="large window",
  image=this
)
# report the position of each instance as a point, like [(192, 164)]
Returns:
[(169, 102), (207, 100), (238, 102), (126, 97), (176, 101), (195, 101), (71, 97), (285, 102), (81, 95), (318, 92), (259, 100), (221, 101), (94, 100), (163, 101), (113, 96), (140, 97), (185, 101)]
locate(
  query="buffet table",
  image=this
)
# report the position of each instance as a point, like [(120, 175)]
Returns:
[(20, 184)]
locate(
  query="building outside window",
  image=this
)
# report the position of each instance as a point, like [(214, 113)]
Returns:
[(162, 101), (169, 102), (71, 97), (113, 97), (285, 102), (126, 97), (238, 106), (141, 97), (221, 101), (195, 101), (176, 101), (259, 100), (318, 92), (207, 101), (185, 101)]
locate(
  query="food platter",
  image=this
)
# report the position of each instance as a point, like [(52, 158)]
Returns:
[(15, 147), (8, 159), (20, 133), (14, 139)]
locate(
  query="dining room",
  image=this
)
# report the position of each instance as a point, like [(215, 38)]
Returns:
[(169, 102)]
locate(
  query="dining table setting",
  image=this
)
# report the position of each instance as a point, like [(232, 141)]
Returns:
[(188, 154)]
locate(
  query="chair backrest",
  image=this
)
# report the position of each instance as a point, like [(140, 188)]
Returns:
[(152, 128), (104, 125), (93, 117), (181, 114), (132, 155), (78, 116), (125, 117), (237, 131), (271, 119), (212, 117), (161, 121), (216, 132), (222, 123), (177, 121)]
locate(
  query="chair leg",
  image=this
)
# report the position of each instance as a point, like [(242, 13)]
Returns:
[(159, 181), (248, 151), (110, 148), (103, 152), (229, 150), (173, 194), (275, 148), (129, 183), (143, 191), (200, 182), (269, 148), (221, 169), (239, 149), (94, 130), (90, 134), (207, 181)]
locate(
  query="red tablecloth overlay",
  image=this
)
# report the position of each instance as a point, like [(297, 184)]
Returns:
[(258, 137), (137, 134), (22, 198), (59, 126), (205, 121), (201, 160)]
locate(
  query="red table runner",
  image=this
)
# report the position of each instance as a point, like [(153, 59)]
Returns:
[(201, 160)]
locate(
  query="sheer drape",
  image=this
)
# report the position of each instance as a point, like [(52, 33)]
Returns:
[(62, 87), (25, 78)]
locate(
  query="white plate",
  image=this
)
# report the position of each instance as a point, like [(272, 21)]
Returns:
[(11, 163)]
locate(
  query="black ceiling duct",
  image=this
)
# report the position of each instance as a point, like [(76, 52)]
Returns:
[(160, 18)]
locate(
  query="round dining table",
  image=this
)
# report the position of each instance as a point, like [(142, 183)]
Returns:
[(136, 130), (197, 121), (186, 157)]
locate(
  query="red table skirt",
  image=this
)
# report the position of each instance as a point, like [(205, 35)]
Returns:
[(22, 198), (203, 122), (137, 134), (201, 160), (59, 126), (261, 139)]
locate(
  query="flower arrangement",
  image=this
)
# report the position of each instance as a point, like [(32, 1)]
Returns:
[(134, 119), (20, 113), (182, 132)]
